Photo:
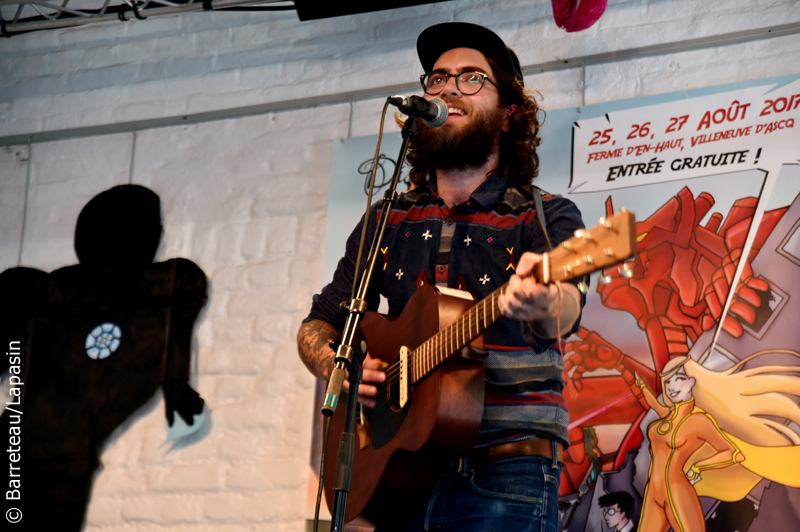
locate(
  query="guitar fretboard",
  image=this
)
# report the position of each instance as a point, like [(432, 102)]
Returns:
[(470, 325)]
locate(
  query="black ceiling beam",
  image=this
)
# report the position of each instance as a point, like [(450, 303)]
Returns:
[(317, 9)]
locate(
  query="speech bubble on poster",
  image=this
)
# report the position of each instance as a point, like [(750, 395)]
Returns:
[(707, 135)]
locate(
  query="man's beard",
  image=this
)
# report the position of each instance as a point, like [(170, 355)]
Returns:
[(468, 147)]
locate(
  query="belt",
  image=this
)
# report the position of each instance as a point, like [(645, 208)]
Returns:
[(532, 446), (527, 447)]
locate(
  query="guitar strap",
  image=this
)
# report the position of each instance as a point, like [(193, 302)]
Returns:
[(537, 198), (448, 230)]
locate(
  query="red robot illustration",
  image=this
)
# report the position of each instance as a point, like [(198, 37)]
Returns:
[(676, 288)]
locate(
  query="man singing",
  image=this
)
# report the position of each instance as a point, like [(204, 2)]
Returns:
[(470, 223)]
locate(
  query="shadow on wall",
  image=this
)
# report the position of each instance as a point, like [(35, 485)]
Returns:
[(86, 347)]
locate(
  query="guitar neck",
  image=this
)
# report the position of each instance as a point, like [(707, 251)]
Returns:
[(449, 340), (609, 242)]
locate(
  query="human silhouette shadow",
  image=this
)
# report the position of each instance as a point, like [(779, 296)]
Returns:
[(85, 347)]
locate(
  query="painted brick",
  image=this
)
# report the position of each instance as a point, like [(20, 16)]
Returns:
[(194, 477), (267, 474), (251, 303), (232, 330), (251, 359), (229, 388), (246, 198), (312, 233), (156, 456), (14, 169), (282, 241), (224, 507), (166, 509), (248, 415), (268, 274), (235, 359), (121, 479), (234, 447), (104, 511), (271, 329), (230, 278)]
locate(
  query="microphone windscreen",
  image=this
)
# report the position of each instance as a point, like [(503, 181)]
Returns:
[(441, 115)]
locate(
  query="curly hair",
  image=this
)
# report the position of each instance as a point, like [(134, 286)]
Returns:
[(518, 158)]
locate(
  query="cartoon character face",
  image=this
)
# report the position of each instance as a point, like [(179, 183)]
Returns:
[(615, 518), (679, 386)]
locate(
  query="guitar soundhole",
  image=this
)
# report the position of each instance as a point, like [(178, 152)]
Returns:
[(387, 416), (393, 396)]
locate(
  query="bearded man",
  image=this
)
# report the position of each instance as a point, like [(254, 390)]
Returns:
[(470, 223)]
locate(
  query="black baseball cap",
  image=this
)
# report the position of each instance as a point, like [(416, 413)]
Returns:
[(439, 38)]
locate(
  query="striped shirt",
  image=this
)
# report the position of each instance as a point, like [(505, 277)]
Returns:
[(473, 246)]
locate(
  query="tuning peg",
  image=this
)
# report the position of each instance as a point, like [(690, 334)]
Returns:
[(626, 270), (604, 279), (583, 287), (605, 223), (582, 233)]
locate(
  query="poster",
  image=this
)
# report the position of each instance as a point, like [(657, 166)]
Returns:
[(713, 176)]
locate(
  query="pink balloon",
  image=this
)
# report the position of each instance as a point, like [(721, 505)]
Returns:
[(577, 15)]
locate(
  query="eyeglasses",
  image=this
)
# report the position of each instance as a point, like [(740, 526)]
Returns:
[(609, 511), (469, 83)]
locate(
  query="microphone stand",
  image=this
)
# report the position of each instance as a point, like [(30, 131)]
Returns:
[(345, 359)]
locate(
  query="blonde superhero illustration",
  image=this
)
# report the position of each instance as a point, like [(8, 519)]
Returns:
[(712, 438)]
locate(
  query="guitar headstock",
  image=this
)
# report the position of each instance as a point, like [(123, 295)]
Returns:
[(611, 241)]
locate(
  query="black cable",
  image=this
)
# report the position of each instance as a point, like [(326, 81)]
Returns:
[(366, 171), (136, 11), (375, 165), (326, 431)]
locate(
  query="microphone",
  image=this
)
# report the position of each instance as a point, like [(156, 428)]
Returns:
[(433, 112)]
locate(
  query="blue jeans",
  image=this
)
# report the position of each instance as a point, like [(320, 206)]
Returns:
[(513, 495)]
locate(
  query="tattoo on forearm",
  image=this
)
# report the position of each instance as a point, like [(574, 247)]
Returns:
[(312, 345)]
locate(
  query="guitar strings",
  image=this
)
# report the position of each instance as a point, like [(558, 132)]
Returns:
[(450, 334), (419, 356)]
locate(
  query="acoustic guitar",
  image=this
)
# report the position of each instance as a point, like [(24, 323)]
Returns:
[(429, 410)]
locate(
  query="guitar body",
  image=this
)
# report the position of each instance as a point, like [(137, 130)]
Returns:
[(393, 476)]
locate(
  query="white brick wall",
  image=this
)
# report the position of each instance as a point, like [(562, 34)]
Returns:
[(65, 175), (115, 72), (13, 177), (246, 198)]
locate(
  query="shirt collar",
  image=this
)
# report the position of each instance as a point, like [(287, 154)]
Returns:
[(486, 194), (489, 191)]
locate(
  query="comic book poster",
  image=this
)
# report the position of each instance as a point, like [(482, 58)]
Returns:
[(683, 381)]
